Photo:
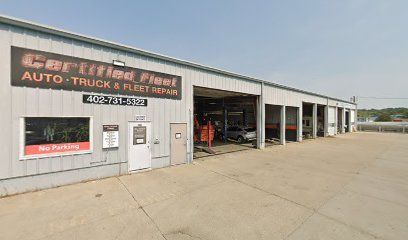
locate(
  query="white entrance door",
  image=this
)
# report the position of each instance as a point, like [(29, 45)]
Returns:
[(139, 155)]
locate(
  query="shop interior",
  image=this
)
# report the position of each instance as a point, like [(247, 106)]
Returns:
[(320, 120), (347, 121), (339, 119), (307, 120), (273, 124), (224, 121)]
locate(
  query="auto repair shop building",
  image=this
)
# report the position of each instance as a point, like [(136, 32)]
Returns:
[(76, 108)]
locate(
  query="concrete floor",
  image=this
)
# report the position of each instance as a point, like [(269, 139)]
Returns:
[(222, 148), (353, 186)]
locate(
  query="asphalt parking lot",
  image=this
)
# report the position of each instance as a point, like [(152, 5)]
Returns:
[(353, 186)]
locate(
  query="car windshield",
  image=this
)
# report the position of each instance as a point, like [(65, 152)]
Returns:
[(250, 129)]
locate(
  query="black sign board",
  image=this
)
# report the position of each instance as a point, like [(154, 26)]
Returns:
[(107, 128), (38, 69), (114, 100)]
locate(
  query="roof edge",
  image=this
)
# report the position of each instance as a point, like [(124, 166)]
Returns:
[(81, 37)]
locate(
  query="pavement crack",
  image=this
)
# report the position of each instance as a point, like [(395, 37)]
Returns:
[(255, 187), (314, 210), (378, 198), (299, 226), (181, 232), (350, 226), (141, 207)]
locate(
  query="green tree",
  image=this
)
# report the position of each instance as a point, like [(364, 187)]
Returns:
[(384, 118)]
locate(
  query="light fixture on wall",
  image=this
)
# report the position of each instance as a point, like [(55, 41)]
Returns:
[(118, 63)]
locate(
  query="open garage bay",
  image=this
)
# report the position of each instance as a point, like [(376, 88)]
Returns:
[(226, 119)]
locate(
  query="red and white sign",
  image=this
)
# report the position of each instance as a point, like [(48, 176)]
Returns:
[(56, 148)]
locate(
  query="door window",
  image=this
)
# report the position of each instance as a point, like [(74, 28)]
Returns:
[(139, 135)]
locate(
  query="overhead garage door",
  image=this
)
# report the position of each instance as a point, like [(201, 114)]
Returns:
[(331, 120)]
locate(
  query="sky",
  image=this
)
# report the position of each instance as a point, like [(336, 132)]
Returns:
[(337, 48)]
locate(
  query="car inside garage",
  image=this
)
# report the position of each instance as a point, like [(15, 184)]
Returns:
[(224, 121)]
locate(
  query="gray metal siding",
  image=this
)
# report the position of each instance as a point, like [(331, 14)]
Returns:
[(20, 101), (17, 102), (209, 80), (5, 104), (279, 96)]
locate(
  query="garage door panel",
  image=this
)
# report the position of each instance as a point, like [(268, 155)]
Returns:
[(332, 121)]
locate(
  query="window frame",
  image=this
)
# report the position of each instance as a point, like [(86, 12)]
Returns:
[(22, 139)]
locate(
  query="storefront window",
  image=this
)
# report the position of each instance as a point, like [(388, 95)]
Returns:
[(52, 135)]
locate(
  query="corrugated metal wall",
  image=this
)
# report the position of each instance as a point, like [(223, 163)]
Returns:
[(207, 79), (17, 102), (279, 96)]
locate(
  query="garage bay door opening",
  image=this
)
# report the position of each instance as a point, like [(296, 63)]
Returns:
[(273, 122), (321, 119), (340, 119), (307, 120), (281, 124), (291, 120), (347, 122), (224, 121)]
